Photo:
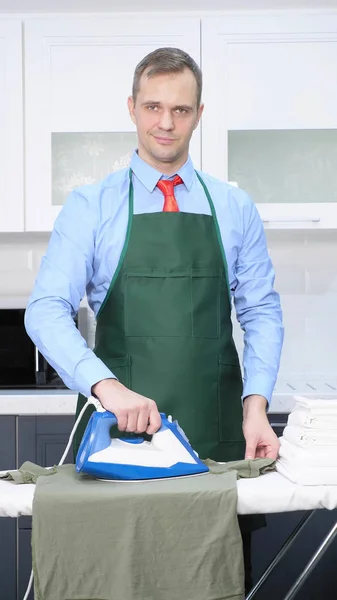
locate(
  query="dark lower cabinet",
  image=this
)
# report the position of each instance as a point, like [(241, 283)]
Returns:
[(7, 526), (7, 559), (24, 562), (41, 440), (7, 442)]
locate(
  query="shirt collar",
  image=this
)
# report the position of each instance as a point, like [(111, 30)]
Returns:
[(149, 176)]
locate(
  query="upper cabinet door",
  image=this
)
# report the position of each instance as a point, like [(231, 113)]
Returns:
[(11, 127), (270, 118), (79, 73)]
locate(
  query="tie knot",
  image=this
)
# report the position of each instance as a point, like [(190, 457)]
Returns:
[(167, 185)]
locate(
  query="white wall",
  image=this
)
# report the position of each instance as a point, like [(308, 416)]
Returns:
[(305, 263), (20, 257)]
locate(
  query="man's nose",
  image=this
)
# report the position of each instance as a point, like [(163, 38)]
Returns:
[(166, 121)]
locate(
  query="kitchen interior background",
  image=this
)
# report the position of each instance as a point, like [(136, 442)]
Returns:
[(282, 147), (274, 167)]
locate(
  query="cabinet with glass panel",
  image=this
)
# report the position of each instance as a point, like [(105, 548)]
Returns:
[(78, 76), (270, 119), (11, 126)]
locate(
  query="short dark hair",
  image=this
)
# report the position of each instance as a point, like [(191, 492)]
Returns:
[(166, 60)]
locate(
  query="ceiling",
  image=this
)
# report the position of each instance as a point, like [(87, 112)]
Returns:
[(71, 6)]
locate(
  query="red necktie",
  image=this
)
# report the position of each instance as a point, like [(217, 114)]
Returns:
[(166, 186)]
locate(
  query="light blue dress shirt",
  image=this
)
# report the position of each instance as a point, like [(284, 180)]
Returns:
[(84, 250)]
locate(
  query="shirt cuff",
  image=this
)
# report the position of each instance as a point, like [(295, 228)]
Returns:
[(258, 385), (90, 371)]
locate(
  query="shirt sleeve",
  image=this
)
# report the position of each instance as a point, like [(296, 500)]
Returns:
[(65, 271), (258, 308)]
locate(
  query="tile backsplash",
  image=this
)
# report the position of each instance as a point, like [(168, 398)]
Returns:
[(306, 277)]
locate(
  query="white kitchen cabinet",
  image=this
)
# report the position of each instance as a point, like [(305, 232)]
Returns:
[(270, 118), (11, 127), (78, 75)]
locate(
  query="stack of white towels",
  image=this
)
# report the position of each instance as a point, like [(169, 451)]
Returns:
[(308, 452)]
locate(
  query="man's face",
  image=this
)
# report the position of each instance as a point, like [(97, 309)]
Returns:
[(165, 114)]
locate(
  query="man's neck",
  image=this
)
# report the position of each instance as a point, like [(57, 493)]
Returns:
[(166, 168)]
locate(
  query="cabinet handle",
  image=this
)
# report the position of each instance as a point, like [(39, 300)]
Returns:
[(299, 220)]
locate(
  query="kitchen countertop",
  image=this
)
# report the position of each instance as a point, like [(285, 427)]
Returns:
[(37, 402), (63, 402)]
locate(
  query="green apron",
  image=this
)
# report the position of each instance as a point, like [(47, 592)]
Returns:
[(165, 330)]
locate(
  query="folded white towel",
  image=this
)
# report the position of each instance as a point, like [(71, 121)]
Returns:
[(310, 437), (307, 476), (320, 456), (317, 407), (300, 417)]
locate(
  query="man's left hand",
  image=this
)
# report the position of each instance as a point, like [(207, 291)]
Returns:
[(261, 441)]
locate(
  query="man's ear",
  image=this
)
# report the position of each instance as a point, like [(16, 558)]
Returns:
[(131, 107), (200, 111)]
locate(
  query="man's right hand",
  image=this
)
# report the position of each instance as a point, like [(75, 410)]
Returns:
[(134, 413)]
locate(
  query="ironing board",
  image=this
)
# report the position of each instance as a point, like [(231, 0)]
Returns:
[(271, 493)]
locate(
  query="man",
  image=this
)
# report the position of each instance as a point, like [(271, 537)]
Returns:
[(160, 250)]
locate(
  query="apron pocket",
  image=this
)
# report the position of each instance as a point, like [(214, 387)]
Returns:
[(121, 368), (229, 402), (158, 305), (206, 290)]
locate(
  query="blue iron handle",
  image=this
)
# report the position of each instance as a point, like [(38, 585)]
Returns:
[(102, 423), (112, 420)]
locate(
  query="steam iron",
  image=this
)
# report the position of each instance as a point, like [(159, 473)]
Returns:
[(169, 454)]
